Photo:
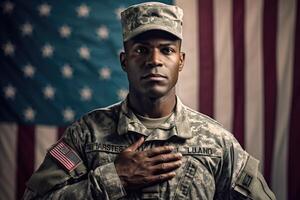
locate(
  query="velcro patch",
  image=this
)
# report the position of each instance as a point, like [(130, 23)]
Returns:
[(247, 180), (65, 155), (198, 150)]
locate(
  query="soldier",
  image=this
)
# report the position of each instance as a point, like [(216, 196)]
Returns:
[(149, 146)]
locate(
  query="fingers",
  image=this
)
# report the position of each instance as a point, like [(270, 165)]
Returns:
[(166, 158), (135, 145), (166, 167), (150, 166)]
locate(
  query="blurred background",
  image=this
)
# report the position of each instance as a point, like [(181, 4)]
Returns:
[(60, 59)]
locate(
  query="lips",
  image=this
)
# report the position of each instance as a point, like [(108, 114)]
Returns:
[(154, 76)]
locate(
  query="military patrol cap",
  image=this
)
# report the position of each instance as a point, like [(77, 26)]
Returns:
[(148, 16)]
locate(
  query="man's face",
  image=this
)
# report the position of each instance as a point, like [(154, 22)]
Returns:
[(152, 62)]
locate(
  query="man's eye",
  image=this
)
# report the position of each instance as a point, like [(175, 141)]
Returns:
[(141, 50), (168, 50)]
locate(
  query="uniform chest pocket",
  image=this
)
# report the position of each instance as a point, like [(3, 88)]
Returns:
[(186, 179), (196, 177)]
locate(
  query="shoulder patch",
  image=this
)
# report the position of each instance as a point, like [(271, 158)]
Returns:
[(65, 155)]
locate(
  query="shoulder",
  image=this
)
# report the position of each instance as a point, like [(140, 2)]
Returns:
[(209, 130), (196, 116), (203, 123), (98, 121), (100, 115)]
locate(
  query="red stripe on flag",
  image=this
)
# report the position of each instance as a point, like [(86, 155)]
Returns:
[(25, 157), (206, 55), (239, 70), (270, 90), (294, 132)]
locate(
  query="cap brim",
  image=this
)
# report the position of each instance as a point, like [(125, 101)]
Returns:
[(149, 27)]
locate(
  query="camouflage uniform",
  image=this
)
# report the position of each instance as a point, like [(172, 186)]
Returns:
[(81, 164), (214, 165)]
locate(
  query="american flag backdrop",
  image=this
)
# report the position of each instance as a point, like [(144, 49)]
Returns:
[(59, 60)]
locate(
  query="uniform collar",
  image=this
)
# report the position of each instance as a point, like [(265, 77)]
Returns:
[(177, 125)]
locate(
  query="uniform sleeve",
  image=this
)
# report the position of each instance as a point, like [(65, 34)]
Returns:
[(250, 184), (64, 173), (246, 182)]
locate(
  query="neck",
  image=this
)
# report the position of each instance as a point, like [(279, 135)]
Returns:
[(152, 107)]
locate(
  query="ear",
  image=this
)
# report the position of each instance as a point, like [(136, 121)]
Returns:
[(123, 60), (181, 60)]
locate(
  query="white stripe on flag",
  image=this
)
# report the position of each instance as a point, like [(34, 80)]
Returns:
[(45, 136), (285, 53), (8, 149), (254, 130), (188, 83), (223, 63)]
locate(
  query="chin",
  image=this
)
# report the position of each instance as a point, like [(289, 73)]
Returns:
[(156, 92), (155, 95)]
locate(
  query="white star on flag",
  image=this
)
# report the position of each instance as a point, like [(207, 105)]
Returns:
[(122, 93), (118, 12), (29, 114), (44, 9), (67, 71), (8, 7), (26, 29), (10, 92), (65, 31), (49, 92), (47, 50), (29, 71), (83, 10), (68, 114), (86, 94), (84, 52), (102, 32), (105, 73), (9, 49)]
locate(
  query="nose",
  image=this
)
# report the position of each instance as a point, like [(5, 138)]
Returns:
[(154, 58)]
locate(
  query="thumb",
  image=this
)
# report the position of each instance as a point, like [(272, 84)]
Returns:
[(135, 145)]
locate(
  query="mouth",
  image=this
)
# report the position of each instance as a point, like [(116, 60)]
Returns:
[(154, 76)]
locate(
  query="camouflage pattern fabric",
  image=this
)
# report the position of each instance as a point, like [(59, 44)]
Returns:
[(151, 16), (212, 158)]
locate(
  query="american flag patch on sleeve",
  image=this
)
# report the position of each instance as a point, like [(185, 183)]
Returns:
[(65, 155)]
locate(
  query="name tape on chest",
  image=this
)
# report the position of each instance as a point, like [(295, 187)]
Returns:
[(197, 150), (65, 155), (109, 148), (185, 150)]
